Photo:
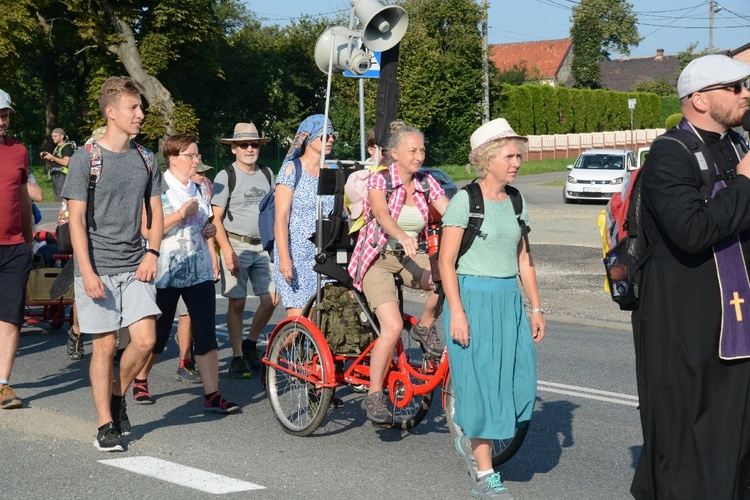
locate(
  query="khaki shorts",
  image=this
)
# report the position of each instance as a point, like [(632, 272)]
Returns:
[(255, 265), (378, 284)]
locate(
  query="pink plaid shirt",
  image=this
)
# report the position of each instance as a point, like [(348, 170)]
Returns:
[(372, 238)]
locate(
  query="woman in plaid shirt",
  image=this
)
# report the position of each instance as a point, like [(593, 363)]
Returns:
[(388, 244)]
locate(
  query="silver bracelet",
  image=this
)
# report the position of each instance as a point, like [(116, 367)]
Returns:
[(537, 310)]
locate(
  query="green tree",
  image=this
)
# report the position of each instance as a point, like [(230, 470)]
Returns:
[(659, 86), (440, 74), (689, 54), (599, 28)]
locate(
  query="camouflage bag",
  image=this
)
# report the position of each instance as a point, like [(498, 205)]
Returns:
[(345, 325)]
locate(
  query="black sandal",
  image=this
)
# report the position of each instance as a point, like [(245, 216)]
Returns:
[(75, 345)]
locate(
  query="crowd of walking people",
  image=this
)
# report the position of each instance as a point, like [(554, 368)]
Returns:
[(149, 245)]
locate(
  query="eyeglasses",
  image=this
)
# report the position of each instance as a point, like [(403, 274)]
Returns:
[(735, 88), (192, 156), (245, 145)]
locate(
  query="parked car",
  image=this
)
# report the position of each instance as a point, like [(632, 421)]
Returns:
[(642, 153), (597, 174), (443, 179)]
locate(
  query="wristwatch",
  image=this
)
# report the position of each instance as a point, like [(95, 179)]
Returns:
[(537, 310)]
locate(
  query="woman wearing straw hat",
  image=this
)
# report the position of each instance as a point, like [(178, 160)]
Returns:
[(485, 317)]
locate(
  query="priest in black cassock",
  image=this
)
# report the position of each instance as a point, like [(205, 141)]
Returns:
[(692, 325)]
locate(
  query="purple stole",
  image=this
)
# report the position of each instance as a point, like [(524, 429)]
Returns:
[(734, 340)]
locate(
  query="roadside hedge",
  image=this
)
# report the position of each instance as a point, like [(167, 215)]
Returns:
[(543, 109)]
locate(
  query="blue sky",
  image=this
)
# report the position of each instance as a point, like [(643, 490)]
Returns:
[(668, 24)]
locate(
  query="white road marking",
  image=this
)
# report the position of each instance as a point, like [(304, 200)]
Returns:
[(182, 475), (584, 392)]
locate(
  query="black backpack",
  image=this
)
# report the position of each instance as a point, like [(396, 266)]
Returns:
[(232, 182), (476, 217), (473, 229)]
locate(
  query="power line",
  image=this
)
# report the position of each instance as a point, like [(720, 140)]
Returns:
[(266, 17)]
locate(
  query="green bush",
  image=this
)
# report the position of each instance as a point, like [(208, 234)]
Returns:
[(579, 111), (537, 102), (672, 121), (525, 109), (565, 109), (542, 109), (669, 106), (551, 109)]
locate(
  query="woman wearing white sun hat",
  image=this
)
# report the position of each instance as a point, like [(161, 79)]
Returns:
[(489, 332)]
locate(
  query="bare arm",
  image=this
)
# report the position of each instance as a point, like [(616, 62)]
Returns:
[(80, 240), (27, 222), (379, 208), (441, 204), (231, 261), (283, 200), (63, 162), (148, 267), (449, 245), (528, 280), (35, 192)]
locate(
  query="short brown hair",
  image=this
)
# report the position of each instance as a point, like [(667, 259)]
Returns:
[(174, 144), (114, 87)]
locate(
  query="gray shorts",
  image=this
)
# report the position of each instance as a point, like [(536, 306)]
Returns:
[(128, 301), (255, 265), (181, 308)]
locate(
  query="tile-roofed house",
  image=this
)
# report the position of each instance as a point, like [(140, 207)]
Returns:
[(623, 74), (548, 59)]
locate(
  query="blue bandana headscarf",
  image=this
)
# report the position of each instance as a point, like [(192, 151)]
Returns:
[(310, 129)]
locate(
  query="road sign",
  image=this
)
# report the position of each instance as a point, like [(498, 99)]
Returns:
[(631, 103), (373, 72)]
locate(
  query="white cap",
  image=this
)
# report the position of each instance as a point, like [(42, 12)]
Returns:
[(708, 71), (5, 100)]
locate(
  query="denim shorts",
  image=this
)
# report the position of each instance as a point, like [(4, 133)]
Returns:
[(128, 301)]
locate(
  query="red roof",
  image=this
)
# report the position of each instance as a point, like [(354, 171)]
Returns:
[(546, 56)]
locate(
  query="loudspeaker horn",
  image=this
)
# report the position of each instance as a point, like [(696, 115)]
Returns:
[(346, 53), (384, 26)]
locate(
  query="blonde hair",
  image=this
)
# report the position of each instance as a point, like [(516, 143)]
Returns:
[(482, 160), (114, 87)]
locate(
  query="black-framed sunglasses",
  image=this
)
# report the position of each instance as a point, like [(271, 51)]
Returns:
[(245, 145), (735, 88)]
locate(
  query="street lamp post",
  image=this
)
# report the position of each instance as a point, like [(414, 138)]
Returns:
[(631, 106)]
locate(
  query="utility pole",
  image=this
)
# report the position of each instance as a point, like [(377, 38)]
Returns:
[(486, 62), (710, 26)]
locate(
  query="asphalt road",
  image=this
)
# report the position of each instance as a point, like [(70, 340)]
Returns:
[(582, 444)]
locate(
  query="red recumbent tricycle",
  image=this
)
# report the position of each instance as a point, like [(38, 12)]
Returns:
[(302, 371)]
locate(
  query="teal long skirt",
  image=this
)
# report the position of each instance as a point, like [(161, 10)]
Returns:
[(494, 377)]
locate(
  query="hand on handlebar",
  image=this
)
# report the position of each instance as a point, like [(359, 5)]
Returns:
[(409, 244)]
